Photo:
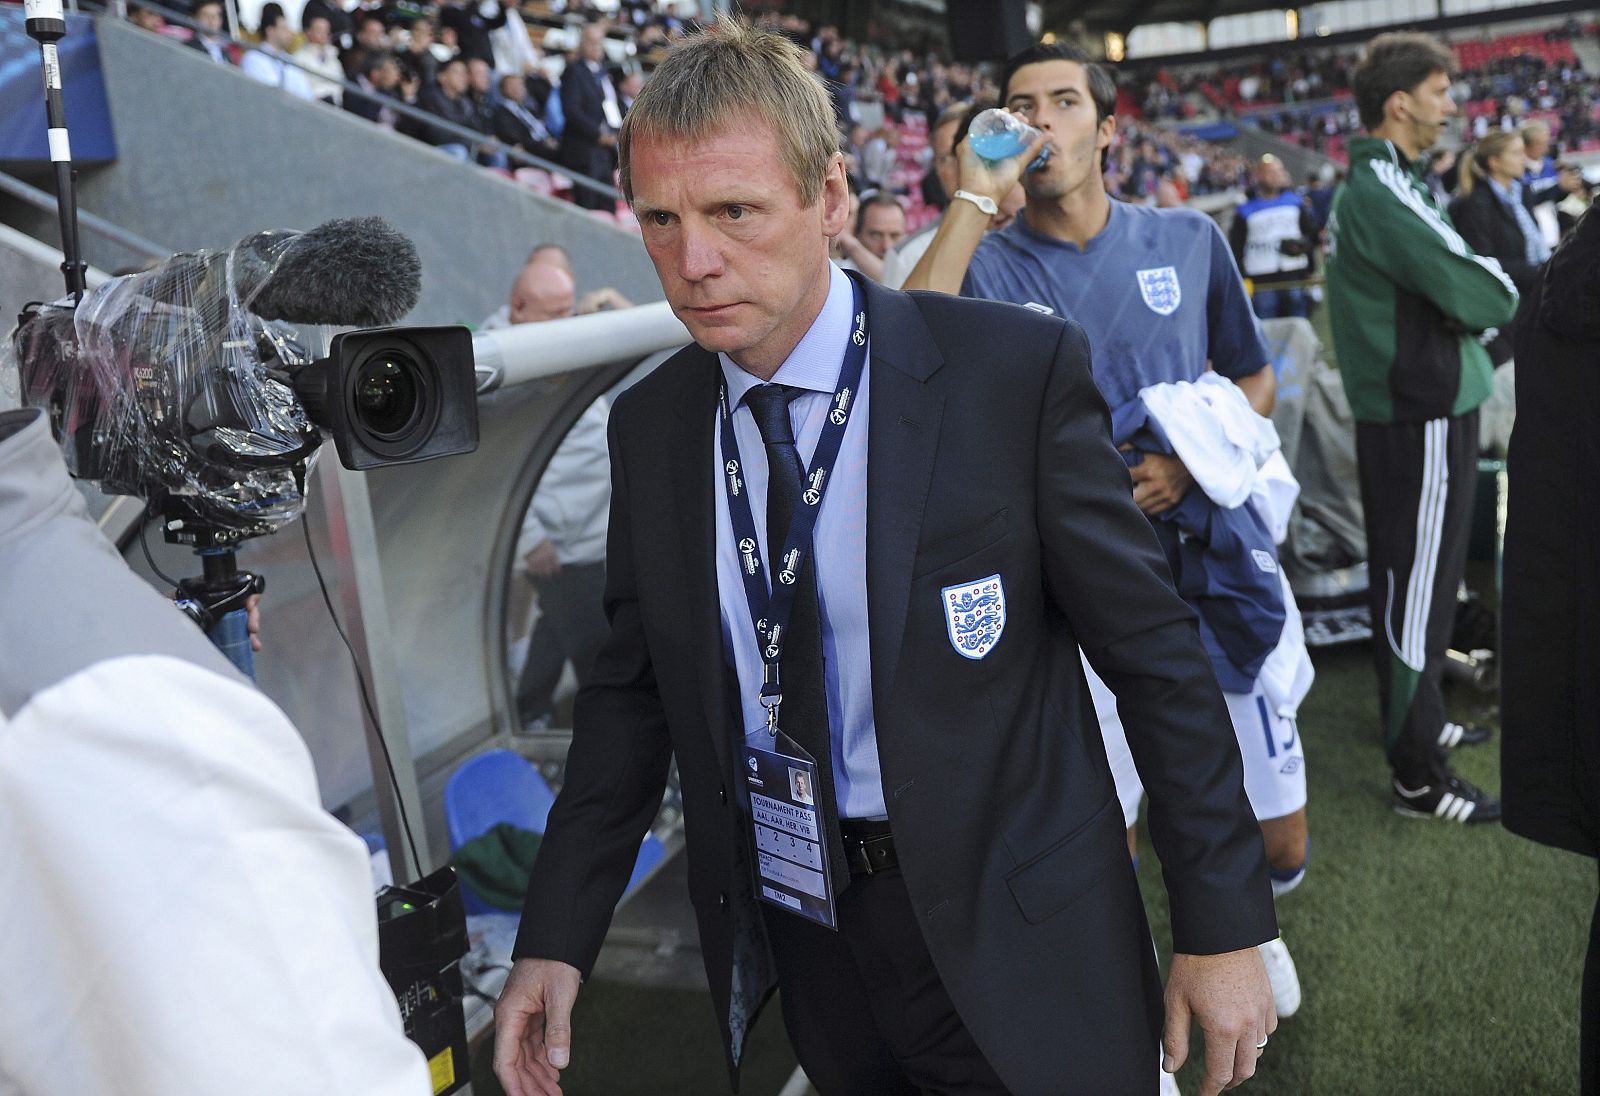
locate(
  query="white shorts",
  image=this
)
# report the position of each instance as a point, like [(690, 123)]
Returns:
[(1274, 763)]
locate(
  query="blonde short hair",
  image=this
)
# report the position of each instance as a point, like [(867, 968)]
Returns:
[(734, 69)]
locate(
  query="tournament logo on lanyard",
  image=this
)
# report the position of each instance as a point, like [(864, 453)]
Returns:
[(792, 869)]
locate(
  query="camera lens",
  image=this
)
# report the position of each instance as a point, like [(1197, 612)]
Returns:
[(386, 393)]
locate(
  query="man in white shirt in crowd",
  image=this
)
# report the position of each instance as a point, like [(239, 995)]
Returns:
[(561, 548), (321, 56), (271, 63)]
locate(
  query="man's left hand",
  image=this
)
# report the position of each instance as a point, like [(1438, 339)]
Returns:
[(1231, 999), (1159, 482)]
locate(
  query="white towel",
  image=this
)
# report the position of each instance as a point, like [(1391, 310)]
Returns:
[(1215, 432), (1233, 455)]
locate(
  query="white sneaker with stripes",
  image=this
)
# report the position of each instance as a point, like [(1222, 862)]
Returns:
[(1281, 973), (1451, 799), (1452, 735)]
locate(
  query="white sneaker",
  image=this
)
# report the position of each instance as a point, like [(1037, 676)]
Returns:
[(1281, 973)]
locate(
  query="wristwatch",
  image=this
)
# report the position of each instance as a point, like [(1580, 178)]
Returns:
[(982, 201)]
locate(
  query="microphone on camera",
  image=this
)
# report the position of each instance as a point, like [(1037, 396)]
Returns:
[(357, 272), (354, 272)]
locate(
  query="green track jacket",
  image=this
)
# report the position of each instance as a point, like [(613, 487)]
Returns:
[(1407, 298)]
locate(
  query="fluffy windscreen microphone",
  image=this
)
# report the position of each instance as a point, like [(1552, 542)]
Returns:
[(357, 272)]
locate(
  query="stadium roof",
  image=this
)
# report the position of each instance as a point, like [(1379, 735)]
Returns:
[(1123, 15)]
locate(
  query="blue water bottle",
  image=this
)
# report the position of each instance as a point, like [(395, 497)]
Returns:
[(999, 135)]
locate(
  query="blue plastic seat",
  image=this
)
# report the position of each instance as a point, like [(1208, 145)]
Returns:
[(484, 791), (495, 787), (503, 786)]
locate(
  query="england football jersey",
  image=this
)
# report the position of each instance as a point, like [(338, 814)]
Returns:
[(1157, 291)]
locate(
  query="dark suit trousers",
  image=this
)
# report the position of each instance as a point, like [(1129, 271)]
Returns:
[(598, 163), (864, 1006), (572, 627)]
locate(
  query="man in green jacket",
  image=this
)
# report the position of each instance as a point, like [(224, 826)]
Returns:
[(1410, 305)]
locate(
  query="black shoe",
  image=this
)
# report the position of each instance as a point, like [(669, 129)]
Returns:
[(1452, 799), (1464, 734)]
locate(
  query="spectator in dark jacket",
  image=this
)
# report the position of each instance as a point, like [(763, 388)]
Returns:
[(371, 39), (379, 77), (472, 26), (519, 122), (593, 115), (211, 39), (417, 58), (449, 99)]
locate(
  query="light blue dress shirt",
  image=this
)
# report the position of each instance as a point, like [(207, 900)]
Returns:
[(840, 545)]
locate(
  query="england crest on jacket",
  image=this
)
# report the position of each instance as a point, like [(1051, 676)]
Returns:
[(975, 613), (1160, 289)]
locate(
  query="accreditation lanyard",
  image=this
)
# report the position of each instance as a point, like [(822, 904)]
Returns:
[(769, 612)]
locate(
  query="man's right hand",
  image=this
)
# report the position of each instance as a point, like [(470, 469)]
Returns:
[(542, 560), (533, 1026), (993, 180)]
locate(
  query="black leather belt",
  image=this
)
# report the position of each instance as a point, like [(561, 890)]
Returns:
[(868, 845)]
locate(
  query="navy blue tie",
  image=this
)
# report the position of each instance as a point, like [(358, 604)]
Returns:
[(803, 716)]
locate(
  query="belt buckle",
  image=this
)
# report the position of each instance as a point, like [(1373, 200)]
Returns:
[(861, 857)]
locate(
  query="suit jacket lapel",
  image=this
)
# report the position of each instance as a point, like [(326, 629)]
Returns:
[(904, 416), (691, 450)]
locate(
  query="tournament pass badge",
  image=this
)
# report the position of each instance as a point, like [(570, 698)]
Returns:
[(975, 614)]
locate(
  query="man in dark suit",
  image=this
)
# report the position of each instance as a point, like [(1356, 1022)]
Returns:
[(210, 38), (518, 119), (593, 115), (968, 843)]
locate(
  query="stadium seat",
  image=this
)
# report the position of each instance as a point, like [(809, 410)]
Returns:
[(495, 787), (503, 786)]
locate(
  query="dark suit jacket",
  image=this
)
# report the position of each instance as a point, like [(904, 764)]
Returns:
[(472, 28), (1491, 229), (582, 107), (462, 111), (229, 54), (1550, 694), (510, 128), (1006, 820)]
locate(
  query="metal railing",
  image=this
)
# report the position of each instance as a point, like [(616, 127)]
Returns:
[(46, 201), (470, 137)]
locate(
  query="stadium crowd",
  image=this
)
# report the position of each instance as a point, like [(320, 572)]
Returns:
[(1425, 315), (500, 76)]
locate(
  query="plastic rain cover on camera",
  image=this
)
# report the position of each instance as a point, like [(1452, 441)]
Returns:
[(165, 384)]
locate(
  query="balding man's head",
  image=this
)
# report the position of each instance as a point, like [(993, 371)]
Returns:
[(542, 292), (551, 255)]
